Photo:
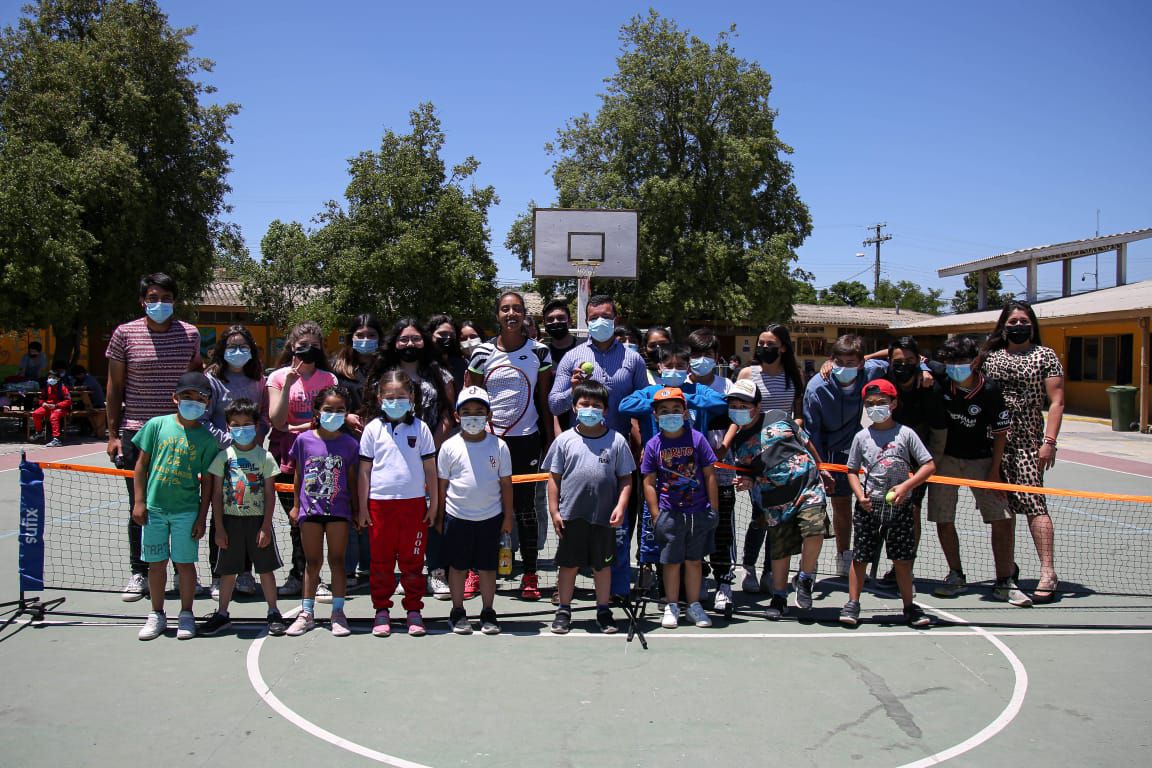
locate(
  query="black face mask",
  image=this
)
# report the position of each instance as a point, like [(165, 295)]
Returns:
[(409, 354), (902, 373), (767, 355), (448, 342), (1018, 334), (557, 330), (308, 354)]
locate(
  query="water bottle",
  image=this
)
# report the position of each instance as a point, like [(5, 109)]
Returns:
[(504, 566)]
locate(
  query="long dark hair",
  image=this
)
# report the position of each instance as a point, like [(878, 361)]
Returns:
[(650, 360), (787, 355), (218, 367), (427, 364), (997, 340), (347, 361), (306, 328)]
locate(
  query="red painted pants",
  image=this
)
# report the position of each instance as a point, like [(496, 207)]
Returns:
[(55, 416), (398, 536)]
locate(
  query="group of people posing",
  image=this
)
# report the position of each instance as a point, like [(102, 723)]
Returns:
[(400, 449)]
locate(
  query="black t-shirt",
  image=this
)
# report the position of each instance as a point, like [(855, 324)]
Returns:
[(916, 408), (558, 354), (971, 417)]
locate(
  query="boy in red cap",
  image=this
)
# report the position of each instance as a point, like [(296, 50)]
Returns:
[(886, 450)]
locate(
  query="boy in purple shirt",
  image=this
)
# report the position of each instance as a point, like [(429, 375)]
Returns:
[(682, 495)]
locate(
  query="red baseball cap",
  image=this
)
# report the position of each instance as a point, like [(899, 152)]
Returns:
[(880, 387), (669, 393)]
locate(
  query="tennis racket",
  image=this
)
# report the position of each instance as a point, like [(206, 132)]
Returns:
[(510, 392), (887, 471)]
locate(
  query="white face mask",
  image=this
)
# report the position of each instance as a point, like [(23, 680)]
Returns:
[(469, 344), (473, 425), (879, 413)]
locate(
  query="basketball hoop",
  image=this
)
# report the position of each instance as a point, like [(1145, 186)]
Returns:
[(584, 271)]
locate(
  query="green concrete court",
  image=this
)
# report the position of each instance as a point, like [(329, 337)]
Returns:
[(1062, 684)]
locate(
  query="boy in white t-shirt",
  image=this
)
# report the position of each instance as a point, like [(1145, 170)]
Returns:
[(475, 471)]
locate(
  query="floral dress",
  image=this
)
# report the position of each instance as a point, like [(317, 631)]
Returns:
[(1022, 376)]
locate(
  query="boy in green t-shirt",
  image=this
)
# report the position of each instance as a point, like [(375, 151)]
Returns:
[(243, 500), (172, 495)]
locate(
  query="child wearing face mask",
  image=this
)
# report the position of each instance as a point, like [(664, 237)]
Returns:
[(475, 490), (704, 402), (325, 504), (397, 465), (55, 403)]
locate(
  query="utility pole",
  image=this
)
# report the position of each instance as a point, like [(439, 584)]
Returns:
[(876, 240)]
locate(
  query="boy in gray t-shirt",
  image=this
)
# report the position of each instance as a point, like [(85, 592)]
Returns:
[(591, 480)]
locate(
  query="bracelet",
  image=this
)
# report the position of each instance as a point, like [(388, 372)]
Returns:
[(1049, 441)]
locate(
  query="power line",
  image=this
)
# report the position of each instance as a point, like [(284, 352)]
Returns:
[(876, 240)]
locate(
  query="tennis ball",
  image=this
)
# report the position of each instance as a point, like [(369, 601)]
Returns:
[(890, 497), (588, 368)]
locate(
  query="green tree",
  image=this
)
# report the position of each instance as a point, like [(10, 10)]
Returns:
[(967, 300), (803, 292), (908, 295), (411, 240), (110, 164), (686, 135), (851, 293)]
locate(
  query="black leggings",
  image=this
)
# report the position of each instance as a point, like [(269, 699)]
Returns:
[(525, 454)]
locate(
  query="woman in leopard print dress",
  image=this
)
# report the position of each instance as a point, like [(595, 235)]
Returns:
[(1029, 374)]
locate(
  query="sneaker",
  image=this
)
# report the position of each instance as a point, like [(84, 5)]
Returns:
[(850, 613), (201, 590), (563, 621), (766, 581), (472, 585), (416, 624), (606, 621), (697, 615), (750, 584), (339, 625), (438, 585), (915, 617), (350, 581), (556, 597), (954, 584), (154, 626), (382, 624), (888, 580), (399, 586), (276, 625), (53, 443), (216, 622), (671, 618), (844, 563), (304, 623), (186, 626), (529, 586), (458, 619), (323, 593), (488, 623), (1006, 591), (246, 584), (776, 608), (135, 589), (723, 597), (803, 585), (215, 589), (290, 587)]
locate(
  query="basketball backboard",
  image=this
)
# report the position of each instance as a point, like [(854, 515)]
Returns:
[(562, 236)]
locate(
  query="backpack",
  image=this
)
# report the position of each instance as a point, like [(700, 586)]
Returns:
[(774, 454)]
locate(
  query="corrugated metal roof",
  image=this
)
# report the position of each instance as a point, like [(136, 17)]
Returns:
[(1122, 302), (222, 293), (1042, 253), (855, 317)]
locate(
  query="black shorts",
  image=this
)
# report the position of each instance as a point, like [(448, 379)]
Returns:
[(899, 536), (242, 531), (471, 544), (585, 544), (324, 519)]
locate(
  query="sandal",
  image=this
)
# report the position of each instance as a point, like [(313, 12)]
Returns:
[(1040, 595)]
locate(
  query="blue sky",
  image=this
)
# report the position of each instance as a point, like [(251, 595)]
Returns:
[(970, 128)]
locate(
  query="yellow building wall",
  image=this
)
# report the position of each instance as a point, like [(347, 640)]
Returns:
[(1089, 397)]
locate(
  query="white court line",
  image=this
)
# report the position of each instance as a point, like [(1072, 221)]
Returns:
[(65, 461), (1106, 469)]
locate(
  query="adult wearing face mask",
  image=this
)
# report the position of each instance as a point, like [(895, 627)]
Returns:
[(1030, 375), (622, 372), (146, 358), (560, 341), (832, 409), (352, 364), (445, 335)]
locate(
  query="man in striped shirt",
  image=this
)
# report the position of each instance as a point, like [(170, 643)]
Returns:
[(146, 358), (622, 371)]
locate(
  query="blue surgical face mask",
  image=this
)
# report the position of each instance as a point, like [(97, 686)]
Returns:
[(634, 347), (396, 409), (844, 376), (741, 417), (473, 425), (365, 346), (192, 410), (670, 422), (879, 413), (243, 435), (673, 378), (601, 329), (590, 417), (158, 311), (53, 381), (237, 357), (332, 421), (702, 366), (959, 372)]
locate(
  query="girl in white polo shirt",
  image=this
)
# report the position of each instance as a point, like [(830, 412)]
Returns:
[(398, 487)]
